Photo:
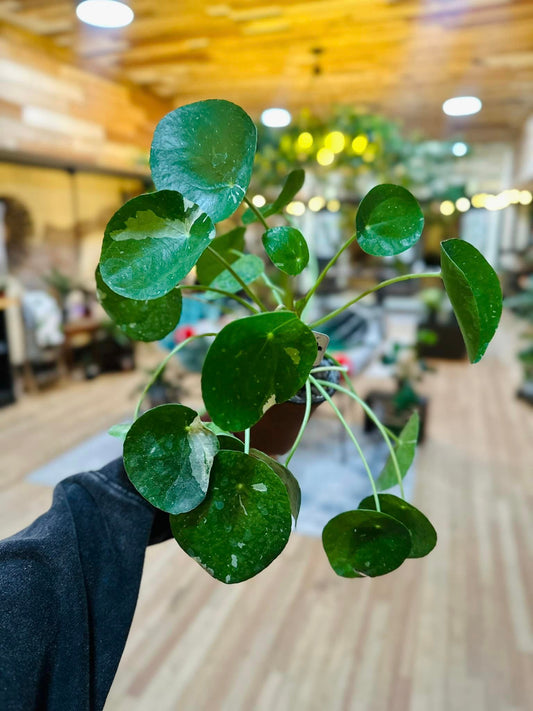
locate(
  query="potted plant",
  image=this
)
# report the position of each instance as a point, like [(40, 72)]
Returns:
[(439, 335), (522, 305), (395, 408), (230, 504)]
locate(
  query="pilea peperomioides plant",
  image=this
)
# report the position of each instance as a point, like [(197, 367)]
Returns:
[(230, 505)]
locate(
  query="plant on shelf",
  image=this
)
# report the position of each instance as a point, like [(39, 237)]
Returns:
[(230, 504)]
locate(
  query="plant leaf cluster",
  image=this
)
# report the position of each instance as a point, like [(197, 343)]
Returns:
[(231, 507)]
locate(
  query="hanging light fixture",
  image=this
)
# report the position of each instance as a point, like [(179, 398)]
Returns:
[(105, 13)]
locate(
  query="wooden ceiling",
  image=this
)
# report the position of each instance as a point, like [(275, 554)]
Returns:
[(402, 58)]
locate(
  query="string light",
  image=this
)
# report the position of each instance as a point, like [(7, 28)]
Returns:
[(525, 197), (335, 141), (462, 204), (305, 141), (333, 205), (316, 203), (359, 144), (447, 208), (325, 156), (259, 200), (296, 208)]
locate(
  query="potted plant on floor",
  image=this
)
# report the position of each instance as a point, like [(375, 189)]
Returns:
[(522, 305), (230, 504), (439, 335), (395, 408)]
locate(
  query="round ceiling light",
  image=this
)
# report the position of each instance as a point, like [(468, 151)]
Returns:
[(275, 118), (105, 13), (462, 106), (459, 149)]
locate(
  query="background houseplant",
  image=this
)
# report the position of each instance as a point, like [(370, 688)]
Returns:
[(230, 505)]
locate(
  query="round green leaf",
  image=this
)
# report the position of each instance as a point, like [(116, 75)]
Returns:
[(254, 363), (405, 451), (287, 249), (206, 151), (228, 246), (249, 267), (475, 293), (151, 243), (365, 543), (145, 320), (423, 535), (168, 453), (286, 476), (243, 523), (227, 441), (389, 221)]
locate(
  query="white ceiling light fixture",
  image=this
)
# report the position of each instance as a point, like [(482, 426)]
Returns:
[(105, 13), (462, 106), (276, 118), (459, 149)]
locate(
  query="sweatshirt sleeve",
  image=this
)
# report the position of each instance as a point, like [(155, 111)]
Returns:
[(68, 590)]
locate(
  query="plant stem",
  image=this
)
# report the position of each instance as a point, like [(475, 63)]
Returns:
[(234, 274), (351, 436), (388, 282), (375, 419), (274, 289), (247, 441), (157, 372), (303, 302), (307, 415), (256, 212), (199, 287)]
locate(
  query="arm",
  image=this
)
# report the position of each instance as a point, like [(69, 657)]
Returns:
[(68, 590)]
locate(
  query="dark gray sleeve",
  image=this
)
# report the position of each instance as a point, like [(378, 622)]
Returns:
[(68, 590)]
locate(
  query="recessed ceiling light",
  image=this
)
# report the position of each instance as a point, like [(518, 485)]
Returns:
[(275, 118), (459, 149), (462, 106), (105, 13)]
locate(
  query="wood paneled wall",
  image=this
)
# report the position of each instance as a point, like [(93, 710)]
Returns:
[(59, 113)]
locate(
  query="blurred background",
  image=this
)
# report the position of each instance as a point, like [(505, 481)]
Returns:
[(434, 95)]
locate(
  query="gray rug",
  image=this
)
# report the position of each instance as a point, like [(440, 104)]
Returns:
[(327, 465), (91, 454), (331, 474)]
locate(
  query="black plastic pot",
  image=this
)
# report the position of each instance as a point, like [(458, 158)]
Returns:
[(449, 344), (277, 430), (383, 404)]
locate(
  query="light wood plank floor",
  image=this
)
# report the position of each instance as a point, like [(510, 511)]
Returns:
[(452, 632)]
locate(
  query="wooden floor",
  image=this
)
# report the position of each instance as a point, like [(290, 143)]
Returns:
[(452, 632)]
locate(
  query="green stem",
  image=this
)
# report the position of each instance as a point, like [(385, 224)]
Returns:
[(199, 287), (247, 441), (351, 436), (303, 302), (375, 419), (256, 212), (344, 372), (274, 289), (307, 415), (237, 278), (157, 372), (388, 282)]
